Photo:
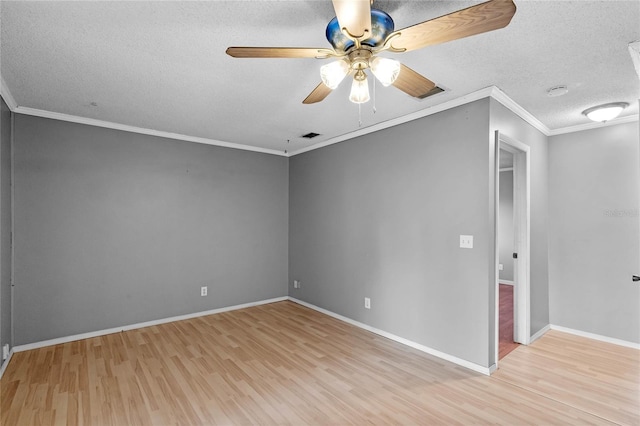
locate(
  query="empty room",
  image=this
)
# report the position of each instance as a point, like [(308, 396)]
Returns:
[(319, 212)]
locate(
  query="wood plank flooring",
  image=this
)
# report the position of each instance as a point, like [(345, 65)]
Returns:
[(592, 376), (286, 364), (505, 329)]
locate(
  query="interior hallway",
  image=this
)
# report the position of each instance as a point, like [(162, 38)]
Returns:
[(505, 329)]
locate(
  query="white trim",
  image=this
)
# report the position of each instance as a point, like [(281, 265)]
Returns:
[(494, 201), (141, 130), (594, 336), (488, 92), (540, 333), (459, 361), (522, 237), (514, 107), (471, 97), (3, 367), (66, 339), (506, 282), (593, 125), (506, 169), (492, 92), (7, 96)]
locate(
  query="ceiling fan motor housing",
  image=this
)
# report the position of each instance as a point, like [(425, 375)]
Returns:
[(381, 26), (359, 58)]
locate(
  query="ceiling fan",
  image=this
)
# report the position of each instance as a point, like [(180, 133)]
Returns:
[(359, 34)]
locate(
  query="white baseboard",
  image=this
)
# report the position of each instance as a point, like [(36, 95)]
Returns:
[(5, 363), (507, 282), (594, 336), (540, 333), (98, 333), (459, 361)]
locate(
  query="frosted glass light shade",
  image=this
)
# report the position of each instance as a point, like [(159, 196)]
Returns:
[(386, 70), (359, 91), (606, 112), (333, 73)]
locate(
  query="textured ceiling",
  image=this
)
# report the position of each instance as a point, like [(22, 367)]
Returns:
[(162, 65)]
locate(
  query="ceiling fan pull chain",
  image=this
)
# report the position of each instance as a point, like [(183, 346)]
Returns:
[(374, 95), (359, 115)]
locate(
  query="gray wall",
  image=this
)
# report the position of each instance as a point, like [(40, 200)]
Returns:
[(594, 243), (514, 127), (380, 216), (506, 225), (115, 228), (5, 224)]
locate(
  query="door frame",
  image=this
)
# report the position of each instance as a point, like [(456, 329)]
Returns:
[(522, 237)]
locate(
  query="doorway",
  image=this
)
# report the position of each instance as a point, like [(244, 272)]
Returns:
[(506, 248), (512, 259)]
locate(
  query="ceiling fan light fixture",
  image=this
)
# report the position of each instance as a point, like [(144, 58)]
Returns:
[(359, 88), (606, 112), (333, 73), (386, 70)]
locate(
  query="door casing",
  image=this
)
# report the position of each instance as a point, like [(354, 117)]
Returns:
[(522, 237)]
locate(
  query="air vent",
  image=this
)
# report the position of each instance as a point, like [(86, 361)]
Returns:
[(311, 135)]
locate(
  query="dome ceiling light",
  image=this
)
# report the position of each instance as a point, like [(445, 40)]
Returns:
[(605, 112)]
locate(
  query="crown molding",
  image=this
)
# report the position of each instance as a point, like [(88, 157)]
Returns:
[(593, 125), (514, 107), (471, 97), (140, 130), (488, 92), (7, 96)]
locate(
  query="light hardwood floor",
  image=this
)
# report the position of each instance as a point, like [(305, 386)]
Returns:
[(505, 321), (286, 364)]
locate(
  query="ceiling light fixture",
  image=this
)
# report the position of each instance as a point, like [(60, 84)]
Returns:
[(358, 34), (333, 73), (386, 70), (606, 112), (359, 88)]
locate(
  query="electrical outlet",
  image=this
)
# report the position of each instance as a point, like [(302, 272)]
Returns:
[(297, 283), (367, 303), (203, 291), (5, 352), (466, 241)]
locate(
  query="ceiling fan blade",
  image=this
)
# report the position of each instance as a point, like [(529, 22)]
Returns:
[(277, 52), (318, 94), (414, 84), (484, 17), (355, 16)]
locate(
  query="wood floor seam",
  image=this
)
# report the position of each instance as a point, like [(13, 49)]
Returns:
[(524, 388)]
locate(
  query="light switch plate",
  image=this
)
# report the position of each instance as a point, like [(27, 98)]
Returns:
[(500, 267), (466, 241)]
